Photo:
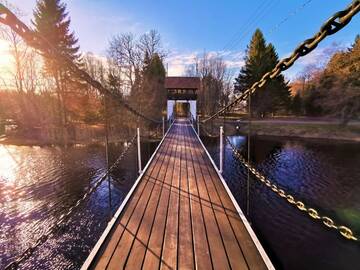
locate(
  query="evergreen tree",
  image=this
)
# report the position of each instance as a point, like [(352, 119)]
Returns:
[(261, 58), (53, 23), (153, 89)]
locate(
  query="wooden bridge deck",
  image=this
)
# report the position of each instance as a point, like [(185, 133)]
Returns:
[(179, 216)]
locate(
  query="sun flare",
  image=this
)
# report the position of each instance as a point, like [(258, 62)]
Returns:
[(5, 57)]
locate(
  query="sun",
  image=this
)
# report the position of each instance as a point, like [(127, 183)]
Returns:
[(5, 57), (6, 64)]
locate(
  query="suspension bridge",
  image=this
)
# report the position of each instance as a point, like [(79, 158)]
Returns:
[(180, 213)]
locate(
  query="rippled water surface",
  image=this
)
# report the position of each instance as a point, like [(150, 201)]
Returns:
[(39, 184), (324, 175)]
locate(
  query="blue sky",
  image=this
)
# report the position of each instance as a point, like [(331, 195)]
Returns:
[(189, 28)]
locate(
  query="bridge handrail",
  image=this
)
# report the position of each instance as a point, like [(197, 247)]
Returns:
[(312, 212)]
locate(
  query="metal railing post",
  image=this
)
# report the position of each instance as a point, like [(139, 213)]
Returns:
[(163, 119), (221, 149), (139, 149), (198, 125)]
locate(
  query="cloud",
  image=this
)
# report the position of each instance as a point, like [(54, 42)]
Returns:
[(178, 62)]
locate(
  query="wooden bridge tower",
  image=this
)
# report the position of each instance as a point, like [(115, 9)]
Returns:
[(182, 91)]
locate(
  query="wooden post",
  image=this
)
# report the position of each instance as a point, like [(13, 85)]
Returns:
[(163, 119), (139, 149), (198, 125), (221, 149)]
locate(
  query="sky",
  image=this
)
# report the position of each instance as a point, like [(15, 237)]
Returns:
[(189, 28)]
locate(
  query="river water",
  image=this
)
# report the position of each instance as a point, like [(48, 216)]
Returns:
[(39, 184), (324, 175)]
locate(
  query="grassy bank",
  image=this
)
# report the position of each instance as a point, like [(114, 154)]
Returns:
[(309, 130)]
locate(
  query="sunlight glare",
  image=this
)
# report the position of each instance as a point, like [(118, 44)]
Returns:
[(7, 166), (5, 57)]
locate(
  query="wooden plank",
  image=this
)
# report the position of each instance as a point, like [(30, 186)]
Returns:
[(251, 255), (185, 247), (138, 250), (123, 247), (153, 252), (202, 257), (180, 216), (113, 242), (233, 249), (169, 252), (217, 250)]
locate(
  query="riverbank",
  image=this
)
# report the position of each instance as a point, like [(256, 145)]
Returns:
[(20, 141), (328, 129), (302, 129)]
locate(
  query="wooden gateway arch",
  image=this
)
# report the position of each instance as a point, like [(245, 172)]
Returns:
[(182, 96)]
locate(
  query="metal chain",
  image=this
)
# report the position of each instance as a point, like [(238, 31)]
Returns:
[(207, 133), (42, 45), (64, 217), (339, 20), (313, 213)]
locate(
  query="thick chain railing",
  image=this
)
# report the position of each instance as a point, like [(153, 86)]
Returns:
[(41, 44), (331, 26), (64, 217), (313, 213)]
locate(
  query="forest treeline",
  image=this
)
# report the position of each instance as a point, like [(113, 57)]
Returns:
[(333, 90), (42, 93)]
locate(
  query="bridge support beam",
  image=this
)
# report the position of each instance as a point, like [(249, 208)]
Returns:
[(139, 149)]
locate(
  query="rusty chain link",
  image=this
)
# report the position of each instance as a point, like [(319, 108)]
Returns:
[(313, 213), (331, 26), (64, 217), (42, 45)]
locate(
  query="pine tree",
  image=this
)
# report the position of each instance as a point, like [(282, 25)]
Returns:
[(261, 58), (153, 89), (53, 23), (279, 90)]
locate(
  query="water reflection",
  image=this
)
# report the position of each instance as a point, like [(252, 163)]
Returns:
[(8, 165), (39, 184), (325, 175)]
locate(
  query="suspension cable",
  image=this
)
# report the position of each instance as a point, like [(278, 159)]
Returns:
[(41, 44), (64, 217), (312, 212), (335, 23), (291, 14)]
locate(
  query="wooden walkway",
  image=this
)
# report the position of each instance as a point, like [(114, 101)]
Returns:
[(179, 216)]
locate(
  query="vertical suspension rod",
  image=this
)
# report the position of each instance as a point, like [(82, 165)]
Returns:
[(221, 162), (139, 150)]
